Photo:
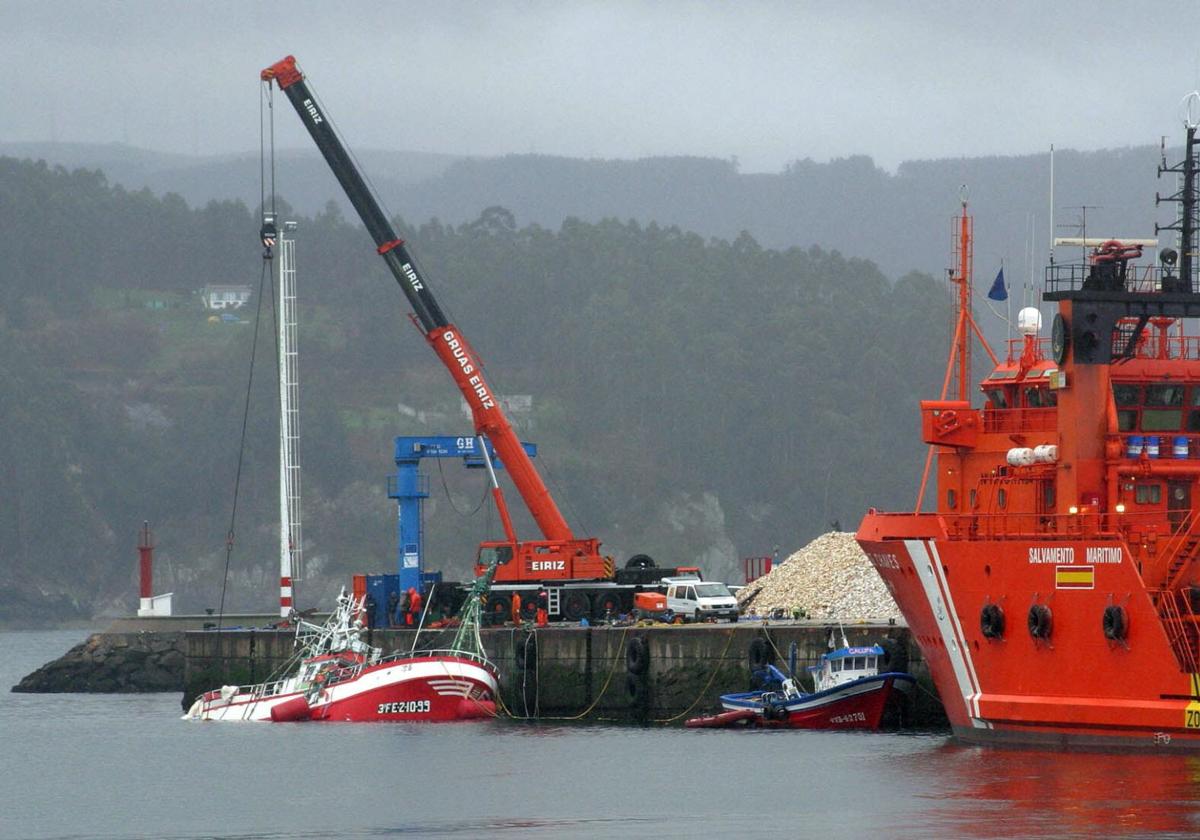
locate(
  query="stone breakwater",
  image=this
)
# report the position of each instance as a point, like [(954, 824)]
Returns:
[(830, 579), (114, 662)]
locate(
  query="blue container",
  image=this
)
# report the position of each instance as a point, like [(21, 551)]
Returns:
[(1133, 447), (1180, 447), (1151, 446)]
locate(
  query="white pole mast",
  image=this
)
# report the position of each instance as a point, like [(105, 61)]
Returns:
[(291, 565)]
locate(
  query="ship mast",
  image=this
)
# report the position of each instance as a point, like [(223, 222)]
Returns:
[(291, 566), (964, 253)]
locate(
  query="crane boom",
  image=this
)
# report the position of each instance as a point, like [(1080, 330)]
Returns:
[(447, 342)]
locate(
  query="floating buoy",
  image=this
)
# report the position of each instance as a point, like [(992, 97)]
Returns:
[(289, 710)]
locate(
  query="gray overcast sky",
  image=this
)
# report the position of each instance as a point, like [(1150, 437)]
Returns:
[(767, 82)]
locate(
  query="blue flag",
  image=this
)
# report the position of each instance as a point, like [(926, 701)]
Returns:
[(998, 291)]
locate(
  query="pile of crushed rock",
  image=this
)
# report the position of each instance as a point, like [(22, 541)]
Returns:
[(830, 578)]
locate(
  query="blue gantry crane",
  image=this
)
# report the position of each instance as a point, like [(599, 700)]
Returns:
[(409, 488)]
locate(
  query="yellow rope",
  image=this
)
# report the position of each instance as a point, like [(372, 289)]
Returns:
[(730, 635), (720, 659), (608, 681)]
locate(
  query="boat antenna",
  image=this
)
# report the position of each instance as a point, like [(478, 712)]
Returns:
[(1185, 226), (1051, 204)]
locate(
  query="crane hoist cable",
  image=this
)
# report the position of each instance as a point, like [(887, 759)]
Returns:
[(268, 235)]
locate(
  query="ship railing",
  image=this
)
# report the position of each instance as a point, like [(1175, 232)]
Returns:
[(1177, 611), (258, 691), (434, 652), (1016, 349), (1147, 279), (1086, 522), (1019, 420)]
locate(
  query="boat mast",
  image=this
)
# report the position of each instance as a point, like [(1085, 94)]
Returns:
[(961, 274), (291, 566)]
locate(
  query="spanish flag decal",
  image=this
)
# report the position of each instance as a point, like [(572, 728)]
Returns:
[(1074, 577)]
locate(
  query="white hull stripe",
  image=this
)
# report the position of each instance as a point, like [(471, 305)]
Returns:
[(852, 690), (427, 670), (960, 635), (929, 571)]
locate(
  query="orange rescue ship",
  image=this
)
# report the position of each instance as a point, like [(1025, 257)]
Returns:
[(1055, 590)]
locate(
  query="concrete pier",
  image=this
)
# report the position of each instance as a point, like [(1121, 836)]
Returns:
[(586, 673)]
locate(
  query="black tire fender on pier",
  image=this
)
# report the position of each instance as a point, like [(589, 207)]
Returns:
[(895, 655), (637, 689), (637, 655), (1041, 621), (991, 621), (1115, 623), (760, 654)]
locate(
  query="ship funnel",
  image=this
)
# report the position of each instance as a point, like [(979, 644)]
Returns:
[(1029, 321)]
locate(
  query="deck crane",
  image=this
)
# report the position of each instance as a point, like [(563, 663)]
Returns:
[(560, 555)]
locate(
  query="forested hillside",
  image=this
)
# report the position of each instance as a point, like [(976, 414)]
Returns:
[(898, 220), (696, 399)]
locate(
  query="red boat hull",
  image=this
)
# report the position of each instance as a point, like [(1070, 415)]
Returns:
[(1072, 687), (439, 688)]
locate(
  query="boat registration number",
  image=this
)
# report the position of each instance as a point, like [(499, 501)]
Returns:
[(849, 717), (1192, 718), (404, 707)]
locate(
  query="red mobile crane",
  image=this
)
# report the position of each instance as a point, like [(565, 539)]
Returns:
[(561, 556)]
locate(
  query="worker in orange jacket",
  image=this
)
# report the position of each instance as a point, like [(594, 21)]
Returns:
[(543, 607), (516, 609), (414, 608)]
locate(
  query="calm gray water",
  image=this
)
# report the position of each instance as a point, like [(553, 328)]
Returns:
[(105, 766)]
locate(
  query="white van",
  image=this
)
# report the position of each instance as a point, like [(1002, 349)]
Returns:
[(697, 600)]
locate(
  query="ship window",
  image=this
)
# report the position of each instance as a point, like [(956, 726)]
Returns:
[(1002, 498), (1194, 419), (1127, 394), (951, 499), (1148, 494), (1048, 496), (1033, 397), (1164, 395), (974, 500), (1049, 399), (997, 398), (1161, 419), (1195, 395), (1127, 419)]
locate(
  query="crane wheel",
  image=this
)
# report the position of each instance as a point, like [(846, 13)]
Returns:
[(497, 609), (576, 606)]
